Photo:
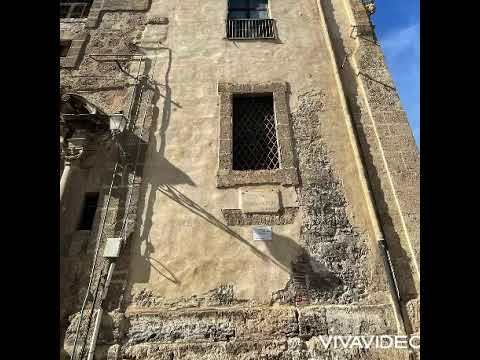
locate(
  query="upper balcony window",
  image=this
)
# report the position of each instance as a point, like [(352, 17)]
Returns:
[(249, 19), (71, 9), (248, 9)]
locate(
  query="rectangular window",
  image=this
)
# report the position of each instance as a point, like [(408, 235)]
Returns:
[(74, 8), (254, 133), (64, 47), (88, 212), (249, 19), (248, 9)]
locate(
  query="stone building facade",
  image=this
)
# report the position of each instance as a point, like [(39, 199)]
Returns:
[(230, 247)]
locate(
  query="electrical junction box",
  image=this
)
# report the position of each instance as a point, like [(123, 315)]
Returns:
[(112, 248)]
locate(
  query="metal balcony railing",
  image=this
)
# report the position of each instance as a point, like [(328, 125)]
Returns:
[(74, 9), (251, 29)]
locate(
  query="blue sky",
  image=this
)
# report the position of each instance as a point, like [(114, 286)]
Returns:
[(397, 24)]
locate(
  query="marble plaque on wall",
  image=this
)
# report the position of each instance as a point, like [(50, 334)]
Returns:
[(259, 201)]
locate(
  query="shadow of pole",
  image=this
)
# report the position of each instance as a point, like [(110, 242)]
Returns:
[(171, 276)]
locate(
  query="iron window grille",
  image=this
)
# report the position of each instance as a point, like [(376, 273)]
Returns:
[(254, 133), (248, 19), (65, 47), (70, 9)]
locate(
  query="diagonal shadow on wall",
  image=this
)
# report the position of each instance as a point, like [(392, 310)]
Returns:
[(162, 172)]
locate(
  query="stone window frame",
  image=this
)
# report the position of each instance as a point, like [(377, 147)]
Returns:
[(287, 173), (74, 5), (99, 6), (75, 50)]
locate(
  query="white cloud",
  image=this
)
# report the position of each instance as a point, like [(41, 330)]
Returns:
[(401, 40)]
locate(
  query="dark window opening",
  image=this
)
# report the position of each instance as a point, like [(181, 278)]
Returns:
[(249, 19), (64, 47), (248, 9), (88, 212), (254, 133), (74, 8)]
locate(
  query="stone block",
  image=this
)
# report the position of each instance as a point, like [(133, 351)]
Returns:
[(259, 201)]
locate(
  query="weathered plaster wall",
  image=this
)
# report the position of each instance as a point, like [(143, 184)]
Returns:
[(188, 284), (182, 247)]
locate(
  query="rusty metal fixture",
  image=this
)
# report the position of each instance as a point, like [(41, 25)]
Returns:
[(72, 153)]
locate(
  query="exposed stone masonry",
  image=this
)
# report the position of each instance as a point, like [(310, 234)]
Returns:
[(113, 90), (332, 277), (237, 217), (332, 268)]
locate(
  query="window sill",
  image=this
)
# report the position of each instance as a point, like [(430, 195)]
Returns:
[(232, 178), (73, 20)]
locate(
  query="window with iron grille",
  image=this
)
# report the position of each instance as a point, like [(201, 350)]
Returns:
[(255, 142), (254, 133), (248, 9), (74, 8), (88, 212), (249, 19), (64, 47)]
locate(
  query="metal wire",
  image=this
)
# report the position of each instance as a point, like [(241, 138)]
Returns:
[(103, 222), (99, 237), (72, 357)]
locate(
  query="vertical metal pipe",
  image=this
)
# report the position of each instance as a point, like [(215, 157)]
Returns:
[(67, 169), (98, 319), (370, 202)]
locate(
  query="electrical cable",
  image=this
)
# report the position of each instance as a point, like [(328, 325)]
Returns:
[(72, 357)]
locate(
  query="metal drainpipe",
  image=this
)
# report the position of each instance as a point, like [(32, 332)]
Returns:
[(98, 319), (67, 169), (377, 230)]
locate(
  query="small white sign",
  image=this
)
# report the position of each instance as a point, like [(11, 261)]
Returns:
[(262, 233)]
